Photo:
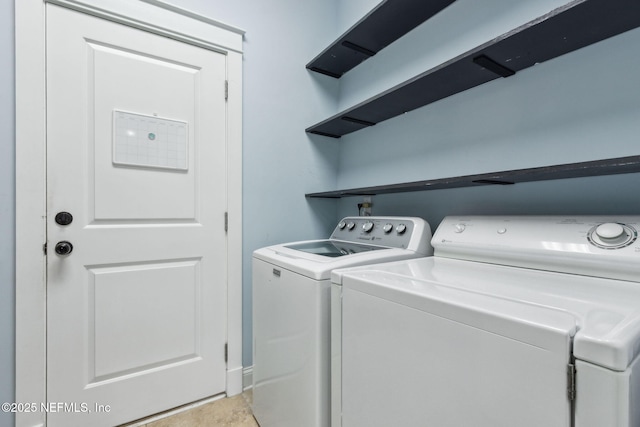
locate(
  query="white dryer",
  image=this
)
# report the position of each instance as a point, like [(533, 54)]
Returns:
[(515, 321), (291, 312)]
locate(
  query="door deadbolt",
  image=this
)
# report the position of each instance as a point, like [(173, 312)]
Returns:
[(64, 248), (64, 218)]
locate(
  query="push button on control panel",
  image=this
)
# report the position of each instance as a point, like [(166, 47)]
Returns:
[(459, 228)]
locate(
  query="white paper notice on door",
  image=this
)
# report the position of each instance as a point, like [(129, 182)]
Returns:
[(149, 141)]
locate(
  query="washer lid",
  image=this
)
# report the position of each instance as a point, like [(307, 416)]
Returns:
[(332, 248), (602, 315), (319, 266)]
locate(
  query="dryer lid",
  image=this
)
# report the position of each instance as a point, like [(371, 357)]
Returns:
[(602, 315)]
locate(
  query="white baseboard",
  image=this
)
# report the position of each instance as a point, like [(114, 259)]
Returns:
[(247, 378), (235, 380)]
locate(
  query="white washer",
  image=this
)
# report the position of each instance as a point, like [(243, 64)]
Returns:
[(515, 321), (291, 312)]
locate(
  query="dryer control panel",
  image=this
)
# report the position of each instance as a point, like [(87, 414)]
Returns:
[(599, 246), (395, 232)]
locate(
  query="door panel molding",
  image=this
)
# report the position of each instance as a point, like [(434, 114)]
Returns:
[(156, 17)]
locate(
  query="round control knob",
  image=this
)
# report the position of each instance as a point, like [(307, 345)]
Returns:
[(367, 227), (387, 228), (342, 225), (401, 228), (611, 235), (350, 225), (609, 231), (63, 248)]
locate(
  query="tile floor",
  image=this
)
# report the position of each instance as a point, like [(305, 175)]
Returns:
[(228, 412)]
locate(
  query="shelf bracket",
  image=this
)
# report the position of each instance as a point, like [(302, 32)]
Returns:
[(485, 62), (357, 121), (358, 48), (325, 72), (492, 182), (330, 135)]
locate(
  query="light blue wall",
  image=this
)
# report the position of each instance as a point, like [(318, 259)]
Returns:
[(281, 98), (7, 209), (350, 12), (578, 107)]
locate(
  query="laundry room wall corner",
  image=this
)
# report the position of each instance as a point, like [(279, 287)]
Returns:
[(280, 99)]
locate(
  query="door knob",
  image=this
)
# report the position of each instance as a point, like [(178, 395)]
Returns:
[(63, 248)]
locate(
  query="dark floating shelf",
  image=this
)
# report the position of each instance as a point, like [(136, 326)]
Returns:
[(620, 165), (575, 25), (385, 24)]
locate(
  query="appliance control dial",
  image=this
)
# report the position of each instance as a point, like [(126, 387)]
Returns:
[(351, 225), (401, 228), (459, 228), (611, 235), (387, 228), (367, 227), (609, 230), (342, 225)]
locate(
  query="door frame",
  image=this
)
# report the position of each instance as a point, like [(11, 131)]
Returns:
[(153, 16)]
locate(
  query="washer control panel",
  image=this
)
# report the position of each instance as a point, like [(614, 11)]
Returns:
[(394, 232)]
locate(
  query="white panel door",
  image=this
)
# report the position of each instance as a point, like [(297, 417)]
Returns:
[(136, 313)]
